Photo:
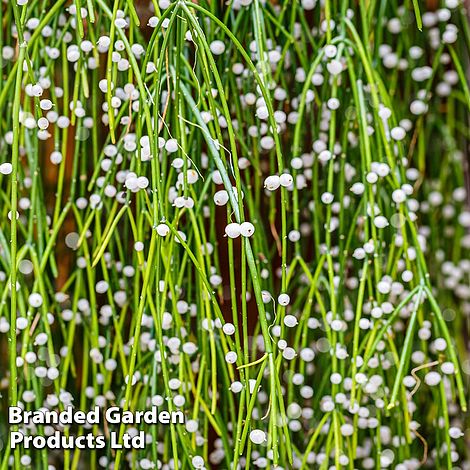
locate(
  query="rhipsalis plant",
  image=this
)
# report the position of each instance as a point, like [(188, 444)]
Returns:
[(252, 213)]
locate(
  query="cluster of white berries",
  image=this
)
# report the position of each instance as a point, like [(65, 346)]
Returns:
[(234, 230), (273, 182)]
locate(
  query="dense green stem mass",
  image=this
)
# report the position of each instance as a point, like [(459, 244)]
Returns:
[(321, 318)]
